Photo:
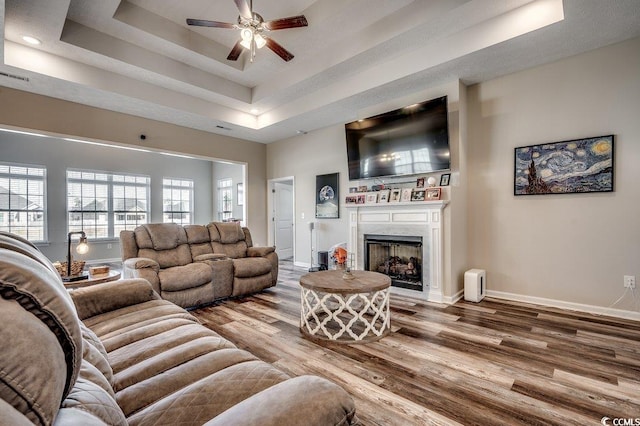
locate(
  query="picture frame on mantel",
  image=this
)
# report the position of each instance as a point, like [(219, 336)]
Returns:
[(383, 196), (395, 195), (433, 194), (372, 197), (406, 195)]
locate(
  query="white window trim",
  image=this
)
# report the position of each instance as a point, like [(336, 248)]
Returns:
[(171, 186), (43, 178), (111, 212)]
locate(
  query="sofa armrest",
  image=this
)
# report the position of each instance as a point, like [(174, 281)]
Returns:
[(210, 256), (141, 263), (100, 298), (259, 251), (303, 400)]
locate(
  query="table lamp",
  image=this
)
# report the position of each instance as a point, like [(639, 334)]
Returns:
[(82, 247)]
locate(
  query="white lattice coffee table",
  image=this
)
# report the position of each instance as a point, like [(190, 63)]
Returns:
[(348, 311)]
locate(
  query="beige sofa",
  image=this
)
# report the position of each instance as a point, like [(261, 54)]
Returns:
[(117, 354), (193, 265)]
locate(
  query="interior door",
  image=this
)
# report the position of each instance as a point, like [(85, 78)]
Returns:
[(283, 218)]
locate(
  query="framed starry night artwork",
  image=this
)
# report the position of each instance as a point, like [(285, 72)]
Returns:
[(575, 166)]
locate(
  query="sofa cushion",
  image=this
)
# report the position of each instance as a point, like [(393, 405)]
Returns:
[(197, 234), (226, 233), (90, 398), (232, 250), (318, 402), (32, 383), (251, 267), (95, 354), (212, 395), (183, 277), (38, 317), (178, 256), (163, 236)]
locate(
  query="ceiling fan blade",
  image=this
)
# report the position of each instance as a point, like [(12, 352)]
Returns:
[(284, 23), (235, 52), (279, 50), (243, 7), (204, 23)]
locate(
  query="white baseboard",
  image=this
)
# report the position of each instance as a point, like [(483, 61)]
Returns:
[(597, 310), (450, 300)]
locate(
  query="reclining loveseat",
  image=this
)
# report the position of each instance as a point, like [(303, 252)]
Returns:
[(193, 265), (117, 354)]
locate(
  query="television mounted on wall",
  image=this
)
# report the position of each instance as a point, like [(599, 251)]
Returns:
[(407, 141)]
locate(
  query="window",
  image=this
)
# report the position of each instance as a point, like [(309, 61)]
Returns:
[(177, 201), (22, 201), (103, 204), (225, 199)]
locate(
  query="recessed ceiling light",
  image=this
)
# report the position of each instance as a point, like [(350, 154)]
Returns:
[(254, 110), (31, 40)]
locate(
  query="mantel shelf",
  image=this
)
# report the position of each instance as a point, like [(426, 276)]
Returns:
[(417, 204)]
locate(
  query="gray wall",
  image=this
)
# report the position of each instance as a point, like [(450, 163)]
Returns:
[(57, 155), (324, 151), (54, 116), (569, 250), (574, 248)]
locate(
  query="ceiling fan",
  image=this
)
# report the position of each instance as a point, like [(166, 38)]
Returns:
[(252, 31)]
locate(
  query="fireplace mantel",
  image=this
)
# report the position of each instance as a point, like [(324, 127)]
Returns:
[(411, 218)]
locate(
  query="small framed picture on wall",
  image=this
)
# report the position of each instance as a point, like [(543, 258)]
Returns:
[(444, 179)]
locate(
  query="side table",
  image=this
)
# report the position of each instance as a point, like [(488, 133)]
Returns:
[(345, 311), (113, 275)]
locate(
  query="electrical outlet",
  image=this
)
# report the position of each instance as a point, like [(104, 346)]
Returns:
[(630, 281), (109, 246)]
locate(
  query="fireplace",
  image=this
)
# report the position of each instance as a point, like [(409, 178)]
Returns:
[(398, 256), (403, 221)]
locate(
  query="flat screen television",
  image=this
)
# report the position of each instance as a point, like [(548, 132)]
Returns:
[(408, 141)]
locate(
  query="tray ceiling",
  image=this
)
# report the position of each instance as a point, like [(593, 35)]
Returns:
[(139, 56)]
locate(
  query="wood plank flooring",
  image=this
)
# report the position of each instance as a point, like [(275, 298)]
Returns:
[(487, 363)]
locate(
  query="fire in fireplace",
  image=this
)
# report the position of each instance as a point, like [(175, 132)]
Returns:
[(398, 256)]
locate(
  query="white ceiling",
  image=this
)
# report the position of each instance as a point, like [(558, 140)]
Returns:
[(139, 56)]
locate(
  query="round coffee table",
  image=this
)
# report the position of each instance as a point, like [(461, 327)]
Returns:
[(342, 310)]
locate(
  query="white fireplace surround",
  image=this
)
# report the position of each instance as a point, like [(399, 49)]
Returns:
[(422, 219)]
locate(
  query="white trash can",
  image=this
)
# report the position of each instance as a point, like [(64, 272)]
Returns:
[(475, 285)]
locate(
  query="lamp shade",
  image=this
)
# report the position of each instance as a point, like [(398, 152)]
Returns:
[(82, 247)]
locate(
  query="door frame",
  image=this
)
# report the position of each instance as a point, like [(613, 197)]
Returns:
[(271, 205)]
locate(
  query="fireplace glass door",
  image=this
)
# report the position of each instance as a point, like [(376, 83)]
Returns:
[(398, 256)]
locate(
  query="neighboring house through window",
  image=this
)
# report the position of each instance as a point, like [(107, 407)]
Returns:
[(177, 201), (22, 200), (225, 199), (103, 204)]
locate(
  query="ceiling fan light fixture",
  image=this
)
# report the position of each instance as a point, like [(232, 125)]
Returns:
[(260, 41), (246, 35), (251, 26)]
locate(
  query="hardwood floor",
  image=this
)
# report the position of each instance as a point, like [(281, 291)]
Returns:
[(490, 363)]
